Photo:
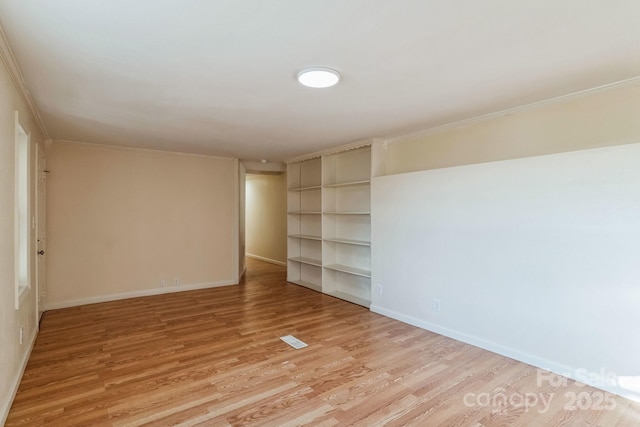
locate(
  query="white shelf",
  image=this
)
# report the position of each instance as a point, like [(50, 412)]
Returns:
[(351, 298), (348, 241), (347, 213), (304, 213), (313, 187), (305, 237), (309, 261), (347, 184), (313, 286), (350, 270)]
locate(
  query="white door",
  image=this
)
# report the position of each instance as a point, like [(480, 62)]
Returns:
[(41, 229)]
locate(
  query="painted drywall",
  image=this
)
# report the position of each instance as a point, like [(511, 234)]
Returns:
[(13, 355), (533, 258), (595, 119), (121, 220), (266, 217)]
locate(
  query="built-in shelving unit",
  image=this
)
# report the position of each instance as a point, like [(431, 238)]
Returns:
[(346, 207), (330, 225), (304, 223)]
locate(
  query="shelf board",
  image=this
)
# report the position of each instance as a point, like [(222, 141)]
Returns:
[(347, 213), (309, 285), (351, 298), (309, 261), (348, 241), (305, 236), (349, 270), (347, 184), (313, 187), (304, 213)]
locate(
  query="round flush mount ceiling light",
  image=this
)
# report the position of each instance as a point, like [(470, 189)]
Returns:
[(318, 77)]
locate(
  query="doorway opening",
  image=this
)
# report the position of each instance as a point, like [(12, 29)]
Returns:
[(265, 217)]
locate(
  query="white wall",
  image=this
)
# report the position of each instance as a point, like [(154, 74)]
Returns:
[(266, 217), (533, 258), (13, 355), (121, 220)]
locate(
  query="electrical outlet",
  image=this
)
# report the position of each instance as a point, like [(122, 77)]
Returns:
[(176, 281), (379, 288), (21, 334), (162, 283), (436, 304)]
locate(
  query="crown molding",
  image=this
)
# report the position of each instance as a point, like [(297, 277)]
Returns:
[(532, 106), (140, 149), (334, 150), (9, 61)]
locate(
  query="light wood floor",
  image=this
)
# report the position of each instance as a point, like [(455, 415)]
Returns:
[(214, 358)]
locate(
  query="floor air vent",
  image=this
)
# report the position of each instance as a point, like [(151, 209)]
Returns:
[(293, 341)]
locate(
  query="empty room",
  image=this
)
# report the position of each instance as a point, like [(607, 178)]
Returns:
[(338, 213)]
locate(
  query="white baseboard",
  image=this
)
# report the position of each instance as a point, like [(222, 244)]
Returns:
[(135, 294), (6, 406), (269, 260), (547, 365)]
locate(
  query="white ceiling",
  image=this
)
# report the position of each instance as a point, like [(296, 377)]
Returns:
[(218, 76)]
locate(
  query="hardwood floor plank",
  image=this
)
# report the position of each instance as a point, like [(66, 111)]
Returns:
[(213, 357)]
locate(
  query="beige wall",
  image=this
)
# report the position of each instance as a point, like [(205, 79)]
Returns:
[(13, 355), (266, 216), (603, 118), (121, 220)]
